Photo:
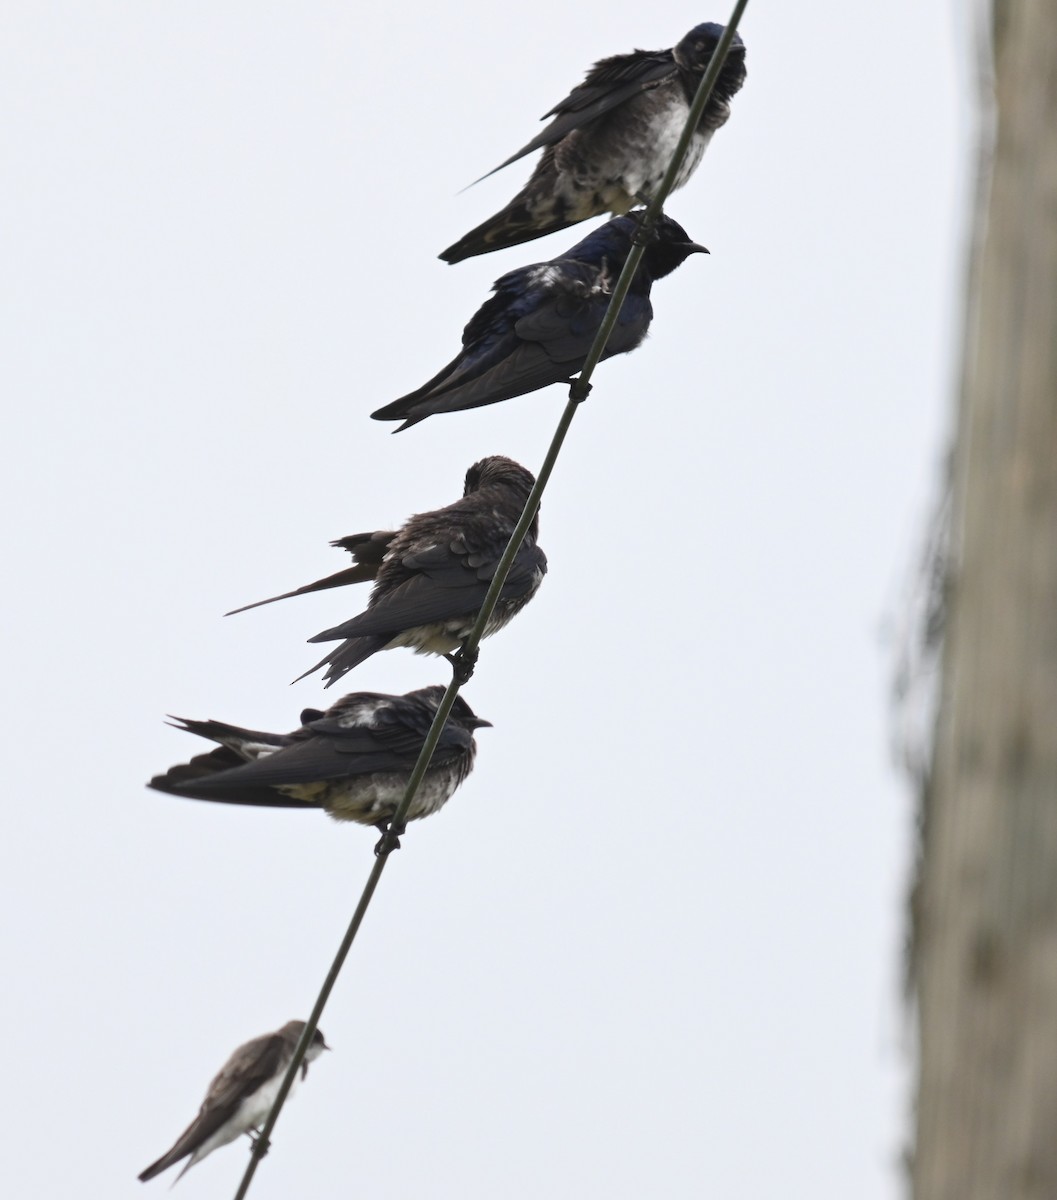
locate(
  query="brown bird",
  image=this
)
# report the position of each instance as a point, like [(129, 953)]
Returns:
[(431, 576), (240, 1097)]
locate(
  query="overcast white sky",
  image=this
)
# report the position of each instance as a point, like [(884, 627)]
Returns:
[(652, 947)]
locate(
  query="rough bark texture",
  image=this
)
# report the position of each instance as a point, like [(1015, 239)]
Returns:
[(987, 898)]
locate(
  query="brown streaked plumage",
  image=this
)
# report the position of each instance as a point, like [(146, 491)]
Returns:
[(611, 141), (431, 576)]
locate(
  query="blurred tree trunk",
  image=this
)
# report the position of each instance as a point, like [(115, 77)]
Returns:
[(986, 952)]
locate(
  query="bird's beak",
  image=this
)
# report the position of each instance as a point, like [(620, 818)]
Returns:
[(694, 248), (481, 723), (326, 1047)]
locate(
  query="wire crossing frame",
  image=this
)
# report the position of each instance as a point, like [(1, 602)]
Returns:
[(465, 660)]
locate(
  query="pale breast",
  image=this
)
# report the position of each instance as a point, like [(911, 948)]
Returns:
[(368, 799), (255, 1109), (440, 637), (622, 159)]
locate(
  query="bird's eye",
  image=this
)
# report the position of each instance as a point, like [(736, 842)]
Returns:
[(699, 46)]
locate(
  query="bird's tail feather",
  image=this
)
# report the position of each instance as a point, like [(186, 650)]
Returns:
[(348, 655), (208, 777), (356, 574), (224, 734), (183, 1171), (155, 1168), (169, 1159), (512, 226)]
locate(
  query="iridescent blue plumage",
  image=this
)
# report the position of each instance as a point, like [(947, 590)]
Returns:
[(539, 325)]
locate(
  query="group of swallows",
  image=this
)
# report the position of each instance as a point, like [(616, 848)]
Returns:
[(606, 150)]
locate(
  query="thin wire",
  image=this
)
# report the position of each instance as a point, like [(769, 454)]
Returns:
[(467, 657)]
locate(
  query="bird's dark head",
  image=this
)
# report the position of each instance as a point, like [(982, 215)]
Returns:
[(608, 243), (497, 470), (694, 52), (464, 714), (429, 696), (511, 485), (292, 1030), (461, 713), (612, 242), (314, 1049), (670, 248)]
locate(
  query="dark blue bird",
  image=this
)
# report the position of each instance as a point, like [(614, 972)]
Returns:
[(612, 139), (539, 325)]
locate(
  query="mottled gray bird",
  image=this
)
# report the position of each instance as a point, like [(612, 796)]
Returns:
[(431, 576), (538, 327), (353, 760), (240, 1097), (612, 139)]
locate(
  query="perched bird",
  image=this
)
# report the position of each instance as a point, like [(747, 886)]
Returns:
[(539, 325), (431, 576), (353, 760), (612, 139), (240, 1097)]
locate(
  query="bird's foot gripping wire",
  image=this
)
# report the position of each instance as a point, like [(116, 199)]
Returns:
[(579, 391), (646, 234), (389, 841), (261, 1145), (463, 665)]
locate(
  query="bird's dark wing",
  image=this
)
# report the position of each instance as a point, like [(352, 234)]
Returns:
[(567, 327), (192, 778), (527, 369), (404, 404), (488, 340), (312, 761), (248, 1068), (368, 551), (449, 580), (394, 741), (528, 350), (252, 1065), (608, 84), (514, 293), (564, 328), (207, 777), (325, 750)]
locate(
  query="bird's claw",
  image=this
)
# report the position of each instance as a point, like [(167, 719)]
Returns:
[(579, 391), (645, 235), (389, 841), (261, 1145), (462, 666)]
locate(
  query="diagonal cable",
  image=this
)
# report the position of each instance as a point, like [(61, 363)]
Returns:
[(466, 658)]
